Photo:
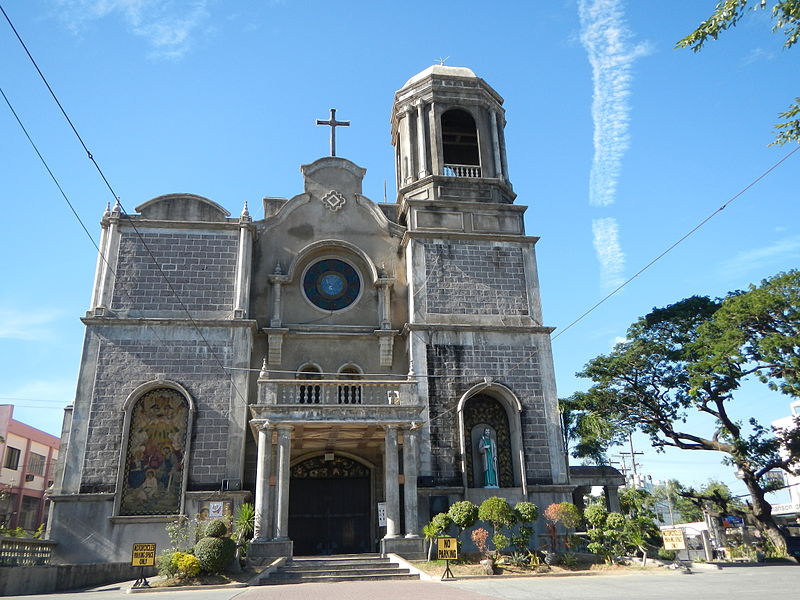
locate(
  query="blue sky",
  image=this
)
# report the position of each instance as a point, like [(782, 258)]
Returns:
[(617, 142)]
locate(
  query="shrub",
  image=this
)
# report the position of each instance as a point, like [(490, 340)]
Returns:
[(500, 542), (665, 554), (497, 511), (216, 529), (527, 512), (215, 553), (188, 564), (463, 514), (166, 567), (479, 537)]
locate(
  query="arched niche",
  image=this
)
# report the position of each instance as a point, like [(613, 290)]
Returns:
[(497, 408), (153, 466)]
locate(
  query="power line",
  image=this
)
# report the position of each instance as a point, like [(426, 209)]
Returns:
[(671, 247), (122, 209)]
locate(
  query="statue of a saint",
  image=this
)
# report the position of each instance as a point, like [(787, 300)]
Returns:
[(488, 449)]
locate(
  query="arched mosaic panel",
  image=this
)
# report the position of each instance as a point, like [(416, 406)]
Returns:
[(482, 409), (340, 467), (154, 459)]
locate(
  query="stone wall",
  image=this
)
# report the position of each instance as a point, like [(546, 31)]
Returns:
[(129, 357), (200, 266), (470, 277), (18, 581), (454, 369)]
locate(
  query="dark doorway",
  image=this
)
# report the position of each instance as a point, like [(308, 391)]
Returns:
[(329, 507)]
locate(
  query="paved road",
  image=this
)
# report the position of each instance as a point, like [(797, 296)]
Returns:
[(731, 583)]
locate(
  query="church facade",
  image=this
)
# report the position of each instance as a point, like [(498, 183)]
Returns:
[(351, 367)]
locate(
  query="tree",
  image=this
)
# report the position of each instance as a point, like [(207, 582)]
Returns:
[(437, 527), (690, 358), (786, 19), (463, 514), (499, 513)]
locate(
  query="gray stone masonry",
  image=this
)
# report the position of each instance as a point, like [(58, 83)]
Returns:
[(469, 277), (181, 356), (455, 369), (200, 265)]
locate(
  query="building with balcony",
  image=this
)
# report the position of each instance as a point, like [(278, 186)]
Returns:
[(351, 367), (28, 458)]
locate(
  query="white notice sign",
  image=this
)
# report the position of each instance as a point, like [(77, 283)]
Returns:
[(381, 514)]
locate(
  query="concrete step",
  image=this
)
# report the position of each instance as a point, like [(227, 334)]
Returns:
[(339, 568), (275, 579)]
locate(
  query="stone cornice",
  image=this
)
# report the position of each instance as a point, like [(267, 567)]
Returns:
[(458, 235), (231, 224), (168, 322), (493, 328)]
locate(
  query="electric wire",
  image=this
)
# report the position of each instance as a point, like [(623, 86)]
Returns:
[(122, 209), (674, 244)]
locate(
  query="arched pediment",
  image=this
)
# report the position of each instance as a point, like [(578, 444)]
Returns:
[(182, 207), (333, 245)]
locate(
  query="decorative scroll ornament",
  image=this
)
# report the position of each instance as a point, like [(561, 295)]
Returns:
[(333, 200)]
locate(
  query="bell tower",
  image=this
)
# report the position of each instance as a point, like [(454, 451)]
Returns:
[(477, 344), (447, 131)]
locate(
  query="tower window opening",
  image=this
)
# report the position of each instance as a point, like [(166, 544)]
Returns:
[(460, 144)]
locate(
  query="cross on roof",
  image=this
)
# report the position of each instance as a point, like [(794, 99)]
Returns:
[(333, 124)]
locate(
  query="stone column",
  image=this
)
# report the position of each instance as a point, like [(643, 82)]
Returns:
[(101, 254), (243, 266), (437, 151), (106, 290), (277, 279), (384, 285), (284, 453), (391, 472), (422, 160), (410, 486), (498, 162), (406, 166), (263, 472), (612, 498)]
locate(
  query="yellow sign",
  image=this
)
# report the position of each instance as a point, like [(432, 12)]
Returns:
[(673, 539), (447, 547), (144, 555)]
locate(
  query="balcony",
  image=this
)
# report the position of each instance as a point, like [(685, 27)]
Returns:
[(337, 400), (337, 392), (473, 171)]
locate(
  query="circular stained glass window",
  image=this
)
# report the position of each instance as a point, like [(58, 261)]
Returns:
[(331, 284)]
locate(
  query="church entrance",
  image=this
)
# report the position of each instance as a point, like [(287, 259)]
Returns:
[(329, 508)]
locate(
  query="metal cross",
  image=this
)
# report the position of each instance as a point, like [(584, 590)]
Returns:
[(333, 124)]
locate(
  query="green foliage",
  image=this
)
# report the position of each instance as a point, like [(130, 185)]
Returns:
[(786, 19), (606, 532), (441, 523), (667, 555), (216, 529), (215, 553), (498, 512), (569, 560), (166, 567), (526, 512), (690, 358), (244, 522), (463, 514), (500, 541)]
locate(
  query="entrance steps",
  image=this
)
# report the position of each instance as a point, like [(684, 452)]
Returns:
[(343, 567)]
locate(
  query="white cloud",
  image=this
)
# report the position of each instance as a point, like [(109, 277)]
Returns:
[(757, 55), (166, 25), (606, 39), (618, 339), (27, 325), (760, 259), (609, 253)]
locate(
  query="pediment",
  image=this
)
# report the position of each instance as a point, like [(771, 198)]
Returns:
[(182, 207)]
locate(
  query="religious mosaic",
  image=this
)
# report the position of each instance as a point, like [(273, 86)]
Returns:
[(154, 461), (331, 284), (338, 468), (484, 409)]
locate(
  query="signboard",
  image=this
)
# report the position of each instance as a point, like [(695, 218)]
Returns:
[(447, 547), (381, 514), (674, 539), (143, 555)]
